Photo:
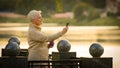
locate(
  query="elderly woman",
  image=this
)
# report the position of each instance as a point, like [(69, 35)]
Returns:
[(37, 40)]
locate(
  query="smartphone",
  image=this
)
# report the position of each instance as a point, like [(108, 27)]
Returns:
[(67, 24)]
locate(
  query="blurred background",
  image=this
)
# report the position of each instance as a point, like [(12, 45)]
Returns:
[(77, 12), (90, 21)]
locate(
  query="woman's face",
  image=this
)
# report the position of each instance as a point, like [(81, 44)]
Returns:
[(38, 20)]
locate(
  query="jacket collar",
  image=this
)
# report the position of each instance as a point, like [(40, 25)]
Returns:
[(35, 26)]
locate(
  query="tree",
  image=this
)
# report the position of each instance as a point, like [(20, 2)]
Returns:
[(96, 3), (59, 5)]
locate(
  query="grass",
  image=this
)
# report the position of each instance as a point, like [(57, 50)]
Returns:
[(61, 21), (108, 21), (13, 20)]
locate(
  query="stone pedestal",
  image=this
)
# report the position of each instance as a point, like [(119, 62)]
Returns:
[(13, 62), (105, 62), (63, 56)]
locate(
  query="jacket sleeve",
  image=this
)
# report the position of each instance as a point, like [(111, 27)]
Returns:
[(38, 36)]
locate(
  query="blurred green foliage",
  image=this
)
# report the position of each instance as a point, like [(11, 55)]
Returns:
[(108, 21), (24, 6), (47, 6), (59, 5), (96, 3), (7, 5), (13, 20), (84, 11)]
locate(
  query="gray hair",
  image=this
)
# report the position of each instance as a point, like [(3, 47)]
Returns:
[(33, 14)]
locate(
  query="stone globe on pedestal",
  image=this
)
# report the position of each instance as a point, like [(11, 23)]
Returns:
[(96, 50), (63, 46), (14, 39), (12, 49)]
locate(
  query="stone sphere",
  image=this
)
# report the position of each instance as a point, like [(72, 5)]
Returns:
[(14, 39), (12, 49), (96, 50), (63, 46)]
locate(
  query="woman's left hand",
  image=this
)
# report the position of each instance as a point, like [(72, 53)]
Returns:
[(51, 44)]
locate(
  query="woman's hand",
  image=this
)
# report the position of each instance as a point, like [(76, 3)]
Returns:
[(51, 44)]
